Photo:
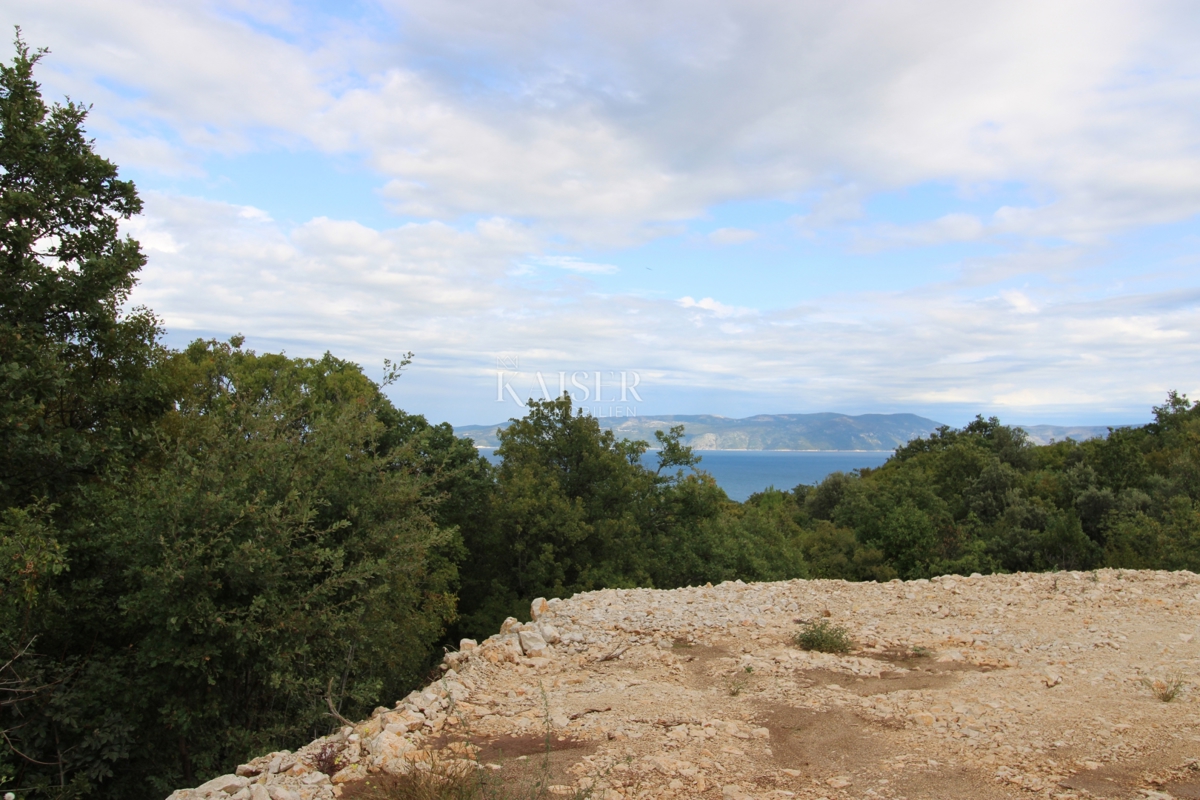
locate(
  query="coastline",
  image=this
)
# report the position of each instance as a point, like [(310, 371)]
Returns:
[(741, 450)]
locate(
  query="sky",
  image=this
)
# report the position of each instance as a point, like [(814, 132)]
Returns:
[(730, 208)]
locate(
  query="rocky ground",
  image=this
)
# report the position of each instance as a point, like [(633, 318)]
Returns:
[(988, 687)]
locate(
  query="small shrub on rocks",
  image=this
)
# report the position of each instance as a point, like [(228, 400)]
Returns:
[(824, 637), (329, 758), (1165, 689)]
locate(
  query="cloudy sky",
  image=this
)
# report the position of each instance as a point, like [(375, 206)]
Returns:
[(745, 207)]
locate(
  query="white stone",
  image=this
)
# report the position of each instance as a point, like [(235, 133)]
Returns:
[(388, 745), (504, 648), (533, 644), (226, 783)]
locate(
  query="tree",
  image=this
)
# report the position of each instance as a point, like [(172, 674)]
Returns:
[(77, 385), (198, 550), (568, 505), (276, 543), (75, 380)]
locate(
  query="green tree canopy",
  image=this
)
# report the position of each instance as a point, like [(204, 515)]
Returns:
[(74, 368)]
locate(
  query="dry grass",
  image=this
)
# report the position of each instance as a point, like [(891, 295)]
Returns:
[(433, 784), (1165, 689)]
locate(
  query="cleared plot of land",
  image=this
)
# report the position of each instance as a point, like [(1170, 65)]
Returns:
[(990, 687)]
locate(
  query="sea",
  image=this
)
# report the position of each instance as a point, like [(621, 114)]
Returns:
[(741, 473)]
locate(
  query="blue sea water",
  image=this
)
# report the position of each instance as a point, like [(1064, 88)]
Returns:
[(741, 473)]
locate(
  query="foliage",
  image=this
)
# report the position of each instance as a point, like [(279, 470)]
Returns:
[(983, 499), (197, 547), (75, 383), (268, 550), (576, 509), (824, 637), (78, 387)]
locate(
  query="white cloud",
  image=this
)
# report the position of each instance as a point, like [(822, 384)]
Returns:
[(1020, 302), (717, 308), (945, 229), (520, 129), (447, 293), (723, 236), (663, 109), (573, 264), (834, 206)]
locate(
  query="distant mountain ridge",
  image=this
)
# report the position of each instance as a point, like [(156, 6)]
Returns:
[(1044, 434), (821, 431)]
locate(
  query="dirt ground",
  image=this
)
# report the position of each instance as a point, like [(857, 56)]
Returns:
[(987, 687), (1066, 685)]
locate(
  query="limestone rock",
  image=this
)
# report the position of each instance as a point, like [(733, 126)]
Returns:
[(502, 649), (226, 783), (533, 644), (388, 747), (549, 633), (354, 772)]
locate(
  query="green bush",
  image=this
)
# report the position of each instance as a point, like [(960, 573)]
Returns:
[(824, 637)]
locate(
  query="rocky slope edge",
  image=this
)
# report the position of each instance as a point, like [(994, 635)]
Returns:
[(997, 686)]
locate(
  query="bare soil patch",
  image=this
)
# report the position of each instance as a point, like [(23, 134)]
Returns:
[(886, 682), (1126, 779), (925, 662), (501, 749), (527, 765), (942, 782), (821, 741)]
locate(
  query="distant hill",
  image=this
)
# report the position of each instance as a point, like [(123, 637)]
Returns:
[(825, 431), (1043, 434)]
